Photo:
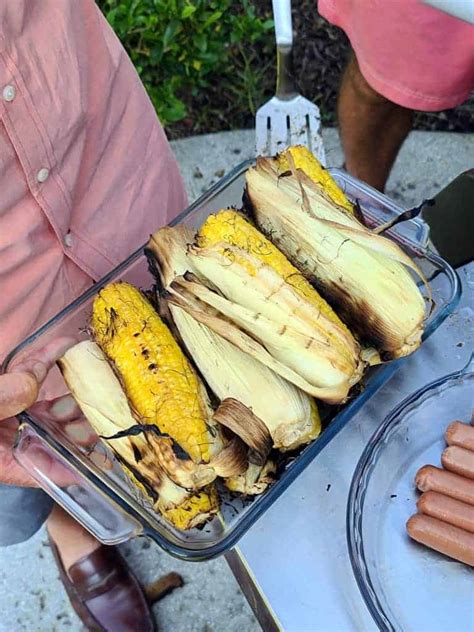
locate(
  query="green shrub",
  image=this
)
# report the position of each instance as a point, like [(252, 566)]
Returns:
[(185, 48)]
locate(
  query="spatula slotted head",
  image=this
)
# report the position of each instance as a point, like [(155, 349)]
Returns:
[(281, 123)]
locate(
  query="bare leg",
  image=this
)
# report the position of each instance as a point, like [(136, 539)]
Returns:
[(372, 128), (73, 542)]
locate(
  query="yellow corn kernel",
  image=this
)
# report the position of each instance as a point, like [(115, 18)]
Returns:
[(189, 513), (304, 160)]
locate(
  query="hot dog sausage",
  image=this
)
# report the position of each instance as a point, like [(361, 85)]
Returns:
[(442, 537), (460, 434), (430, 478), (447, 509), (458, 460)]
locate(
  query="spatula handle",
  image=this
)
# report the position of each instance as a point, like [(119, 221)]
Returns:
[(283, 26)]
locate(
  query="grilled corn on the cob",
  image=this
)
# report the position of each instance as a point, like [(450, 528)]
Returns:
[(364, 274), (101, 398), (260, 312), (288, 414), (162, 388), (243, 300)]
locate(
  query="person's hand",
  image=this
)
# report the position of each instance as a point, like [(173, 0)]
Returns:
[(18, 391)]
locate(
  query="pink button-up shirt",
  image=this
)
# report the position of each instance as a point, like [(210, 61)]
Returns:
[(86, 173)]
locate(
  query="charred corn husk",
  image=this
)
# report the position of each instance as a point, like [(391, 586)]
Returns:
[(248, 247), (300, 157), (363, 274), (101, 398), (254, 481), (287, 413), (260, 312), (162, 388)]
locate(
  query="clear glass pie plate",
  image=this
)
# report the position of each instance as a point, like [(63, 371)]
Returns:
[(405, 585)]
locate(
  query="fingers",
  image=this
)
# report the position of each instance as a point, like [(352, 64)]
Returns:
[(18, 391), (20, 386), (35, 457), (67, 420), (49, 472), (60, 410), (40, 361)]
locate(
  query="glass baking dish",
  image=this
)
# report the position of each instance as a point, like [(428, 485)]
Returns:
[(91, 485), (405, 585)]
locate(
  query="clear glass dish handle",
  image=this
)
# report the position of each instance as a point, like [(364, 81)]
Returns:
[(96, 512), (380, 209)]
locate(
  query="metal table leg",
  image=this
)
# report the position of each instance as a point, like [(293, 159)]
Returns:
[(249, 586)]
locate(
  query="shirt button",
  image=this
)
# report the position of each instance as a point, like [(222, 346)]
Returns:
[(42, 175), (9, 93), (68, 240)]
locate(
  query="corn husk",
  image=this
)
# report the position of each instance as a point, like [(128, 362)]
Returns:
[(255, 481), (299, 157), (364, 275), (296, 348)]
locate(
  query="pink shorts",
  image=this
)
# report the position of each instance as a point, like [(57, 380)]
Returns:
[(411, 53)]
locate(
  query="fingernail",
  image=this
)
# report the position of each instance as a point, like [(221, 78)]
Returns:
[(76, 432), (64, 407), (81, 432)]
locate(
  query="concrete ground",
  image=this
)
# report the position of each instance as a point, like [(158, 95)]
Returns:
[(31, 596)]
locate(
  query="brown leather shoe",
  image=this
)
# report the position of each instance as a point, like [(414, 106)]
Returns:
[(104, 592)]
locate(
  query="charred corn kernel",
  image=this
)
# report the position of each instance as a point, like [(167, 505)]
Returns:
[(183, 508), (364, 274), (101, 398), (158, 379), (303, 159), (229, 226)]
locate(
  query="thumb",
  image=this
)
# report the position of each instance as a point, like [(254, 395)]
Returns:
[(18, 391)]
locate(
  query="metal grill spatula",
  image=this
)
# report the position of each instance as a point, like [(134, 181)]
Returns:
[(288, 118)]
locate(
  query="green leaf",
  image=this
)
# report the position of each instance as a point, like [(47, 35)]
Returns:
[(170, 32), (188, 11), (174, 112), (201, 41), (211, 19)]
